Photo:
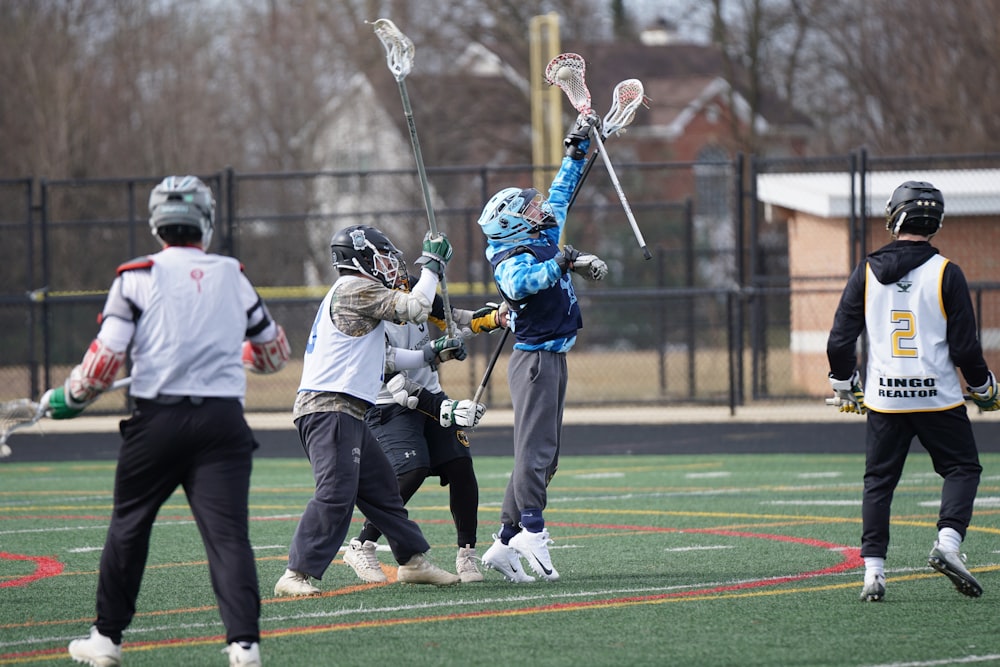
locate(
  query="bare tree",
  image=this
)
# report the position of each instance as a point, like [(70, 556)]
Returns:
[(915, 77), (898, 77)]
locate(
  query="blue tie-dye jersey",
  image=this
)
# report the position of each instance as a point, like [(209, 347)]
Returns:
[(522, 275)]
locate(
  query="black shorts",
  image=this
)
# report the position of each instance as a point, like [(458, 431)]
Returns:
[(412, 440)]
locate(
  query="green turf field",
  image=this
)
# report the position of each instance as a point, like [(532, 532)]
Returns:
[(672, 560)]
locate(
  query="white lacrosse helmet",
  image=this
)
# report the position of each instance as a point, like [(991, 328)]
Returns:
[(514, 213), (182, 201)]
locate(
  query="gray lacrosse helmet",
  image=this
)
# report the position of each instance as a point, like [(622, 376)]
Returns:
[(182, 201)]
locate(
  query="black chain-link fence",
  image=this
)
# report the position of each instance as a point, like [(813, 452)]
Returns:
[(720, 314)]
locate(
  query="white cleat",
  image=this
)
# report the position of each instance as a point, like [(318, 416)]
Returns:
[(465, 565), (874, 588), (419, 570), (243, 657), (362, 559), (505, 560), (294, 584), (534, 548), (96, 650), (952, 565)]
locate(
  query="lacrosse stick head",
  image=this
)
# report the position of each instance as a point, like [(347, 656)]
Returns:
[(627, 96), (399, 49), (14, 415), (567, 71)]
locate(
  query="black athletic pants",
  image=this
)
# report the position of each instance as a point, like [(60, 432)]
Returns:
[(947, 436), (206, 449)]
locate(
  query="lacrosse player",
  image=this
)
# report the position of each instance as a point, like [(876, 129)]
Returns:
[(341, 379), (193, 321), (533, 276), (421, 430), (914, 306)]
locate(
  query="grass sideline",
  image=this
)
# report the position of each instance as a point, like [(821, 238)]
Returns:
[(686, 560)]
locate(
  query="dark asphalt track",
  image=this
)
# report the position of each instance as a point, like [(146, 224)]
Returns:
[(578, 439)]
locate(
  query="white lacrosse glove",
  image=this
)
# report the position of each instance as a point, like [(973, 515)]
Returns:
[(850, 395), (591, 267), (986, 397), (586, 264), (464, 413), (404, 391)]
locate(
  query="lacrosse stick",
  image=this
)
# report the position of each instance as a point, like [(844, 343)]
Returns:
[(837, 401), (23, 412), (625, 100), (567, 72), (489, 366), (399, 54)]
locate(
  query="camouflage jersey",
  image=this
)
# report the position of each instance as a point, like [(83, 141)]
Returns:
[(344, 358)]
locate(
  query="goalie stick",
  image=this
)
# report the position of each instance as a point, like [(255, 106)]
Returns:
[(399, 53), (567, 72), (24, 412)]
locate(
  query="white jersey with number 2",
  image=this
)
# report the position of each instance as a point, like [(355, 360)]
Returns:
[(909, 365)]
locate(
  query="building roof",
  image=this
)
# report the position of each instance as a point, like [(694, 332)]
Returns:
[(966, 192)]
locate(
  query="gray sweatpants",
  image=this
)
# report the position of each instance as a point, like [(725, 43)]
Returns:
[(537, 381)]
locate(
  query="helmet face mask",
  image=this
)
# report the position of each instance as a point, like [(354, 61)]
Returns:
[(368, 251), (915, 207), (515, 213), (185, 202)]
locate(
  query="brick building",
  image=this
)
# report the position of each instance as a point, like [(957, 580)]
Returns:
[(817, 210)]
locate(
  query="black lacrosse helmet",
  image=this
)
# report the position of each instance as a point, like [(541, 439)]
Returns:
[(916, 207), (368, 251)]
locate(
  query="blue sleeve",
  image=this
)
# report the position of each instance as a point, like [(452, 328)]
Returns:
[(561, 191), (522, 275)]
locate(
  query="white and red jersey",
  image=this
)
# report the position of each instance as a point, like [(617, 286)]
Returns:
[(910, 368), (185, 313)]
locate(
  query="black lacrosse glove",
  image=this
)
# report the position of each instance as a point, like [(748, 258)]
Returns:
[(578, 140), (566, 257)]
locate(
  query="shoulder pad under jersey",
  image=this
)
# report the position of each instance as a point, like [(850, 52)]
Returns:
[(138, 264), (519, 250)]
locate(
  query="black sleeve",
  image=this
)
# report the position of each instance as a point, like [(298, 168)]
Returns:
[(430, 403), (848, 324), (437, 308), (963, 340)]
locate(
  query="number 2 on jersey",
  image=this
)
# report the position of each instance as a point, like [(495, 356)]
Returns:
[(903, 333)]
